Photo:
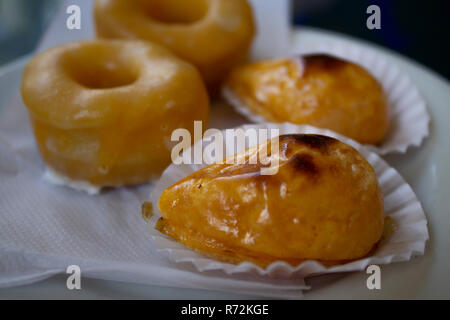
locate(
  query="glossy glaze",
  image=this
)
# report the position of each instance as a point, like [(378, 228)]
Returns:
[(324, 203), (214, 35), (317, 90), (103, 111)]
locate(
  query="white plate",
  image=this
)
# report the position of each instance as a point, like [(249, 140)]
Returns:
[(426, 169)]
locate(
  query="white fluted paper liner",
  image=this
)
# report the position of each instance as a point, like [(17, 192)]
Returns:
[(409, 118), (400, 203)]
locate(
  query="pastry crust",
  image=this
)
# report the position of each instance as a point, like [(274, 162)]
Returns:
[(324, 203), (214, 35), (103, 111), (318, 90)]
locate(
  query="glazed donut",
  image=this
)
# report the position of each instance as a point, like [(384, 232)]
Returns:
[(214, 35), (319, 90), (103, 111)]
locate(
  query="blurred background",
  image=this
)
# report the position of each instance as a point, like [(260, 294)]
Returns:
[(22, 23), (417, 29)]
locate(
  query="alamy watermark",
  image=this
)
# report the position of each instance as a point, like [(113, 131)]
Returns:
[(374, 20), (236, 141), (74, 280), (73, 21), (374, 280)]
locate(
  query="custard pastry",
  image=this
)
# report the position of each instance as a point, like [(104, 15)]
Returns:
[(103, 111), (319, 90), (214, 35), (324, 203)]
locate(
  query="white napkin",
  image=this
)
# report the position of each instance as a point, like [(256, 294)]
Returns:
[(44, 228)]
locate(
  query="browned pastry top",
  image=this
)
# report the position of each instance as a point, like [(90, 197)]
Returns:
[(324, 203)]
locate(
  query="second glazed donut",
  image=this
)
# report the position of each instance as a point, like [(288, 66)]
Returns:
[(214, 35)]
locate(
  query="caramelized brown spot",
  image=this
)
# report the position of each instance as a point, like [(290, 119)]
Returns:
[(304, 163), (313, 141), (323, 61), (147, 210), (161, 226)]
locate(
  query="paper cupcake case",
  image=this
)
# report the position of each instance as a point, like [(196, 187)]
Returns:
[(409, 118), (400, 203)]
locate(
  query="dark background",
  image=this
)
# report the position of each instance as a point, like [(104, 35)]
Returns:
[(418, 29)]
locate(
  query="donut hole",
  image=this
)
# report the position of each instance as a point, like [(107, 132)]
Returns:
[(175, 11), (106, 75), (100, 67)]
